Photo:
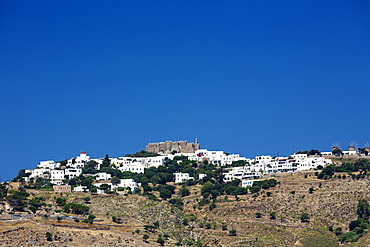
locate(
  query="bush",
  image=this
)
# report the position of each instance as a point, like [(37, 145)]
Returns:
[(49, 236), (232, 232), (160, 241), (351, 236), (254, 189), (165, 193), (305, 217), (145, 237), (184, 192), (224, 227), (338, 231), (273, 215)]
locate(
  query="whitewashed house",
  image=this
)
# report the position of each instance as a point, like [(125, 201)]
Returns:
[(79, 161), (241, 173), (103, 176), (39, 172), (49, 164), (80, 188), (127, 183), (248, 182), (216, 157), (182, 177), (72, 172), (57, 176)]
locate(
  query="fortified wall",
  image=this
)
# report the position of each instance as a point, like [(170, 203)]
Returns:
[(168, 146)]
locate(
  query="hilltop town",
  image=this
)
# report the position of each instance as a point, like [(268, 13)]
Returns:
[(175, 193), (103, 170)]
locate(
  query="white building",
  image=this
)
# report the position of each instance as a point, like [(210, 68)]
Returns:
[(124, 183), (79, 161), (72, 172), (57, 176), (345, 152), (216, 157), (135, 167), (146, 162), (249, 182), (242, 173), (127, 183), (49, 164), (293, 163), (103, 176), (80, 188), (38, 172), (182, 177)]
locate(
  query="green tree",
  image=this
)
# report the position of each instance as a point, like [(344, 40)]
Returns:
[(49, 236), (337, 152), (254, 189), (104, 187), (232, 232), (363, 209), (33, 209), (90, 219), (165, 193), (87, 199), (224, 226), (338, 231), (273, 215), (160, 241), (184, 192), (145, 237), (218, 175), (115, 180), (18, 199), (3, 191), (89, 168), (106, 162), (305, 217)]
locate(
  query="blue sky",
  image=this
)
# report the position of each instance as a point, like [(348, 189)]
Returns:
[(248, 77)]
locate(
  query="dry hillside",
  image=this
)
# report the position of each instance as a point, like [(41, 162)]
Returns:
[(332, 203)]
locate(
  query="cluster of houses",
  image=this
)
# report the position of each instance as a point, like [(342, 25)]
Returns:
[(57, 173), (250, 171)]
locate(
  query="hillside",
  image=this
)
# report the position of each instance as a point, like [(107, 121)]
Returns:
[(332, 202)]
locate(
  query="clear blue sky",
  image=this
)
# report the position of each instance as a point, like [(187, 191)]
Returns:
[(248, 77)]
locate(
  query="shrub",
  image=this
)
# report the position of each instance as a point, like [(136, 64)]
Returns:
[(160, 241), (305, 217), (49, 236), (232, 232), (273, 215), (145, 237)]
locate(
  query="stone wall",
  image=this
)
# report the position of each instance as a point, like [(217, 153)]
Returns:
[(168, 147)]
